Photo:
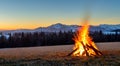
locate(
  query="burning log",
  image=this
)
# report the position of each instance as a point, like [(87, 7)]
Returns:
[(85, 49), (95, 50), (72, 52), (85, 52), (84, 46)]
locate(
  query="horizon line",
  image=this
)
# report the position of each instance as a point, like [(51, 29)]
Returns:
[(51, 25)]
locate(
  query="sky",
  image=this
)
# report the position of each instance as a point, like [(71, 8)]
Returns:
[(30, 14)]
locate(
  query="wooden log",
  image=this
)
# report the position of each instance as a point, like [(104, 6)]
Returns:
[(72, 52), (95, 50), (85, 49)]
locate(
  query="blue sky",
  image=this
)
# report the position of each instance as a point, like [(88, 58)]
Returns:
[(34, 13)]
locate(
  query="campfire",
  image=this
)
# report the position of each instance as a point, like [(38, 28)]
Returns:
[(84, 46)]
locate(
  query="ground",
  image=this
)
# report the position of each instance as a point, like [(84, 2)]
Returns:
[(57, 56)]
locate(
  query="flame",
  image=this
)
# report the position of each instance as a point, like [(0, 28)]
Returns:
[(84, 46)]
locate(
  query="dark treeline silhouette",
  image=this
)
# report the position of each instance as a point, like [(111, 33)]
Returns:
[(48, 39)]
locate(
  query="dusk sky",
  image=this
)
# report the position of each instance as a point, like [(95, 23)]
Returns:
[(30, 14)]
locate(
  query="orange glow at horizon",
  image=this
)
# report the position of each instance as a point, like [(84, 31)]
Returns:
[(12, 25)]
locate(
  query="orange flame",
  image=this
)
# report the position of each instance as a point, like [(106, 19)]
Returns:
[(84, 46)]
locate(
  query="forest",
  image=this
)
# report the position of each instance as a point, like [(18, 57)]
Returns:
[(49, 39)]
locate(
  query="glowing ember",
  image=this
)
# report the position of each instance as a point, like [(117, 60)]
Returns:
[(84, 46)]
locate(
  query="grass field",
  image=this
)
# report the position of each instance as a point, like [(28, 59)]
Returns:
[(56, 56)]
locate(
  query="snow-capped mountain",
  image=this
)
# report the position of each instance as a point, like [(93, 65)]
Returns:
[(109, 27), (57, 28), (65, 28)]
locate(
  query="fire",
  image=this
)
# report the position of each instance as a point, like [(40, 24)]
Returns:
[(84, 46)]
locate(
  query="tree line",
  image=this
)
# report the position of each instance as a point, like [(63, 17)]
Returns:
[(49, 39)]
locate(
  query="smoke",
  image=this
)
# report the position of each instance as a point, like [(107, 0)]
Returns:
[(87, 11)]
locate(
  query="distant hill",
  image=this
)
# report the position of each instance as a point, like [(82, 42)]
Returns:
[(65, 28)]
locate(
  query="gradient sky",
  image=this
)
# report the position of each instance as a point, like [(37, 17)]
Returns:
[(30, 14)]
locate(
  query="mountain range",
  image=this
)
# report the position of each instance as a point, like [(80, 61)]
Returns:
[(65, 28)]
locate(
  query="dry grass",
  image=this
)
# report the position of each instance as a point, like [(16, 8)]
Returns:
[(110, 58), (56, 56)]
